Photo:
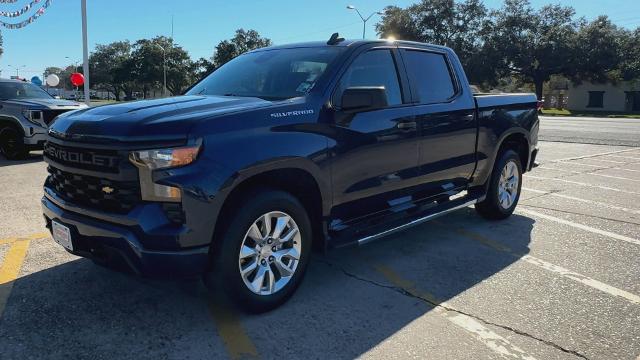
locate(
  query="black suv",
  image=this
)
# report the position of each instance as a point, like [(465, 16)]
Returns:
[(320, 145)]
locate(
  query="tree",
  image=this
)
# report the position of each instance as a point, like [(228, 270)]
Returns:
[(629, 65), (105, 62), (598, 51), (148, 64), (456, 24), (242, 42), (529, 44), (1, 45)]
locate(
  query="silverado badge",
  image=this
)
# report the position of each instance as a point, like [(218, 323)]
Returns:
[(107, 190)]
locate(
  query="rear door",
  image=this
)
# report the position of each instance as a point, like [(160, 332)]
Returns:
[(445, 117), (375, 156)]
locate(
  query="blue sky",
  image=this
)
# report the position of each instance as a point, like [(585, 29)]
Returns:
[(200, 25)]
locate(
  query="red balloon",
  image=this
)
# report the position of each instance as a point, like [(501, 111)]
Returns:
[(77, 79)]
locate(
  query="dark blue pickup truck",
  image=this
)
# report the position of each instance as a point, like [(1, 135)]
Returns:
[(282, 150)]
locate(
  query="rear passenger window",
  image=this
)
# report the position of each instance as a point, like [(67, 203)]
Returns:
[(430, 75), (374, 68)]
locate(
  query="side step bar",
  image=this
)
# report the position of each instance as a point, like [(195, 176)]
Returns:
[(415, 222)]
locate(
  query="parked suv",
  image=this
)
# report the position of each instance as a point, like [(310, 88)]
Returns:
[(25, 113), (282, 149)]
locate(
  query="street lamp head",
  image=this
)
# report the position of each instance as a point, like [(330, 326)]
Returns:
[(380, 13), (351, 7)]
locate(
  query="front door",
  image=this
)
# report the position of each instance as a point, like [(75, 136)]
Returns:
[(375, 155)]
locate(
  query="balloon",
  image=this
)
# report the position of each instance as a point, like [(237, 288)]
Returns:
[(53, 80), (36, 81), (77, 79)]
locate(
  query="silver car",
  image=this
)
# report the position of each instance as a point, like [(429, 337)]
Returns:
[(26, 110)]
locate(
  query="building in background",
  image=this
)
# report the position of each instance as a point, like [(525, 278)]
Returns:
[(622, 96)]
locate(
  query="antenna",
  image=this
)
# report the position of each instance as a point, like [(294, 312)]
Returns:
[(335, 39), (171, 26)]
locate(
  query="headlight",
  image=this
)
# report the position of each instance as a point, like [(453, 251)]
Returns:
[(34, 116), (165, 158), (148, 160)]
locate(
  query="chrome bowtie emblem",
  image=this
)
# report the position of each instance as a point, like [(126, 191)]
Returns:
[(107, 190)]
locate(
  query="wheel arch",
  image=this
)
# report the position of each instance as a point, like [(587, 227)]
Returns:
[(518, 141), (11, 121), (294, 176)]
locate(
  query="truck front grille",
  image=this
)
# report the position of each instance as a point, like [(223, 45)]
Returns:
[(92, 192)]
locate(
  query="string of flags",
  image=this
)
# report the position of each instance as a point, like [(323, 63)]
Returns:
[(19, 12), (22, 11)]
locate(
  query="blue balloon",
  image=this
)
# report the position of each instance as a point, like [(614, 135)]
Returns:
[(36, 80)]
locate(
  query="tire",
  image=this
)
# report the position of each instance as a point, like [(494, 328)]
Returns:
[(11, 144), (257, 255), (502, 200)]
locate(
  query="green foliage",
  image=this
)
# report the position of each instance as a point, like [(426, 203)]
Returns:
[(518, 44), (242, 42), (458, 25)]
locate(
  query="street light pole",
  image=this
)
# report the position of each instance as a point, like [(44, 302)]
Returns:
[(85, 54), (364, 20)]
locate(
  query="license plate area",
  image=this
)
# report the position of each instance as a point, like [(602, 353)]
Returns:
[(62, 235)]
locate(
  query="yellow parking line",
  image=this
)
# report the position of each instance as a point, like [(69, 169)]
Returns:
[(235, 338), (10, 269), (35, 236), (485, 335)]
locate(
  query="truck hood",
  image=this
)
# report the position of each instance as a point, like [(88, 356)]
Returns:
[(46, 103), (147, 120)]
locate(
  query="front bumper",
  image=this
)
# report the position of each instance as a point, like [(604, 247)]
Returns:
[(119, 243), (35, 137)]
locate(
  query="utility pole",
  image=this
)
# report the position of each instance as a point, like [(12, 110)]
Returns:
[(164, 65), (85, 54)]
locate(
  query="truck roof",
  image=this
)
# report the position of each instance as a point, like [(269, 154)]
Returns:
[(346, 43)]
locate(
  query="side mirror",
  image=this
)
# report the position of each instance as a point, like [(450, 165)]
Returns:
[(363, 98)]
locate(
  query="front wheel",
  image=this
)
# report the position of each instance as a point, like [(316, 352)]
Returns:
[(504, 187), (11, 144), (264, 251)]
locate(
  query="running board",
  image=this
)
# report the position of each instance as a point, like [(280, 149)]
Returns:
[(415, 222)]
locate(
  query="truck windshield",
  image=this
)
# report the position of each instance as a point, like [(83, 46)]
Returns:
[(18, 90), (271, 75)]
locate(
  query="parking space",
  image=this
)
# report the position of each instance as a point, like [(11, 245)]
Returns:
[(560, 279)]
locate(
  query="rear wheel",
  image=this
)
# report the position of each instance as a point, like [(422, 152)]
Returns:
[(11, 143), (264, 251), (504, 187)]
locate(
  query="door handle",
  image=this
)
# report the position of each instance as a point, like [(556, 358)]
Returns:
[(407, 125)]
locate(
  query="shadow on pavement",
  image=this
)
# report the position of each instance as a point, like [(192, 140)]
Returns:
[(31, 158), (81, 310)]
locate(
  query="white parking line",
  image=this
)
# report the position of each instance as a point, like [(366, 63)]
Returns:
[(611, 290), (582, 227), (582, 184), (608, 161), (625, 157), (489, 338), (617, 168), (613, 207), (559, 270), (588, 173), (593, 155)]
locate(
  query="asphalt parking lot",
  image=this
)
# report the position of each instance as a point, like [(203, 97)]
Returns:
[(558, 280)]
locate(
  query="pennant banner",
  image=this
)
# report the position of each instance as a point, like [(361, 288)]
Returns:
[(28, 20), (17, 13)]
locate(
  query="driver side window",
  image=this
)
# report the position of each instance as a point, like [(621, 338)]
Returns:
[(373, 68)]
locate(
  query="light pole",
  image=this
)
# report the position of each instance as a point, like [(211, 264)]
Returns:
[(164, 65), (17, 69), (364, 21), (85, 54)]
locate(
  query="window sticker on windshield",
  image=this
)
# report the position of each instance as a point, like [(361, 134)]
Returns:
[(304, 87)]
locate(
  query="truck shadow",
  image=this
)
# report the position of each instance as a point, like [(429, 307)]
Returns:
[(31, 158), (346, 306)]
